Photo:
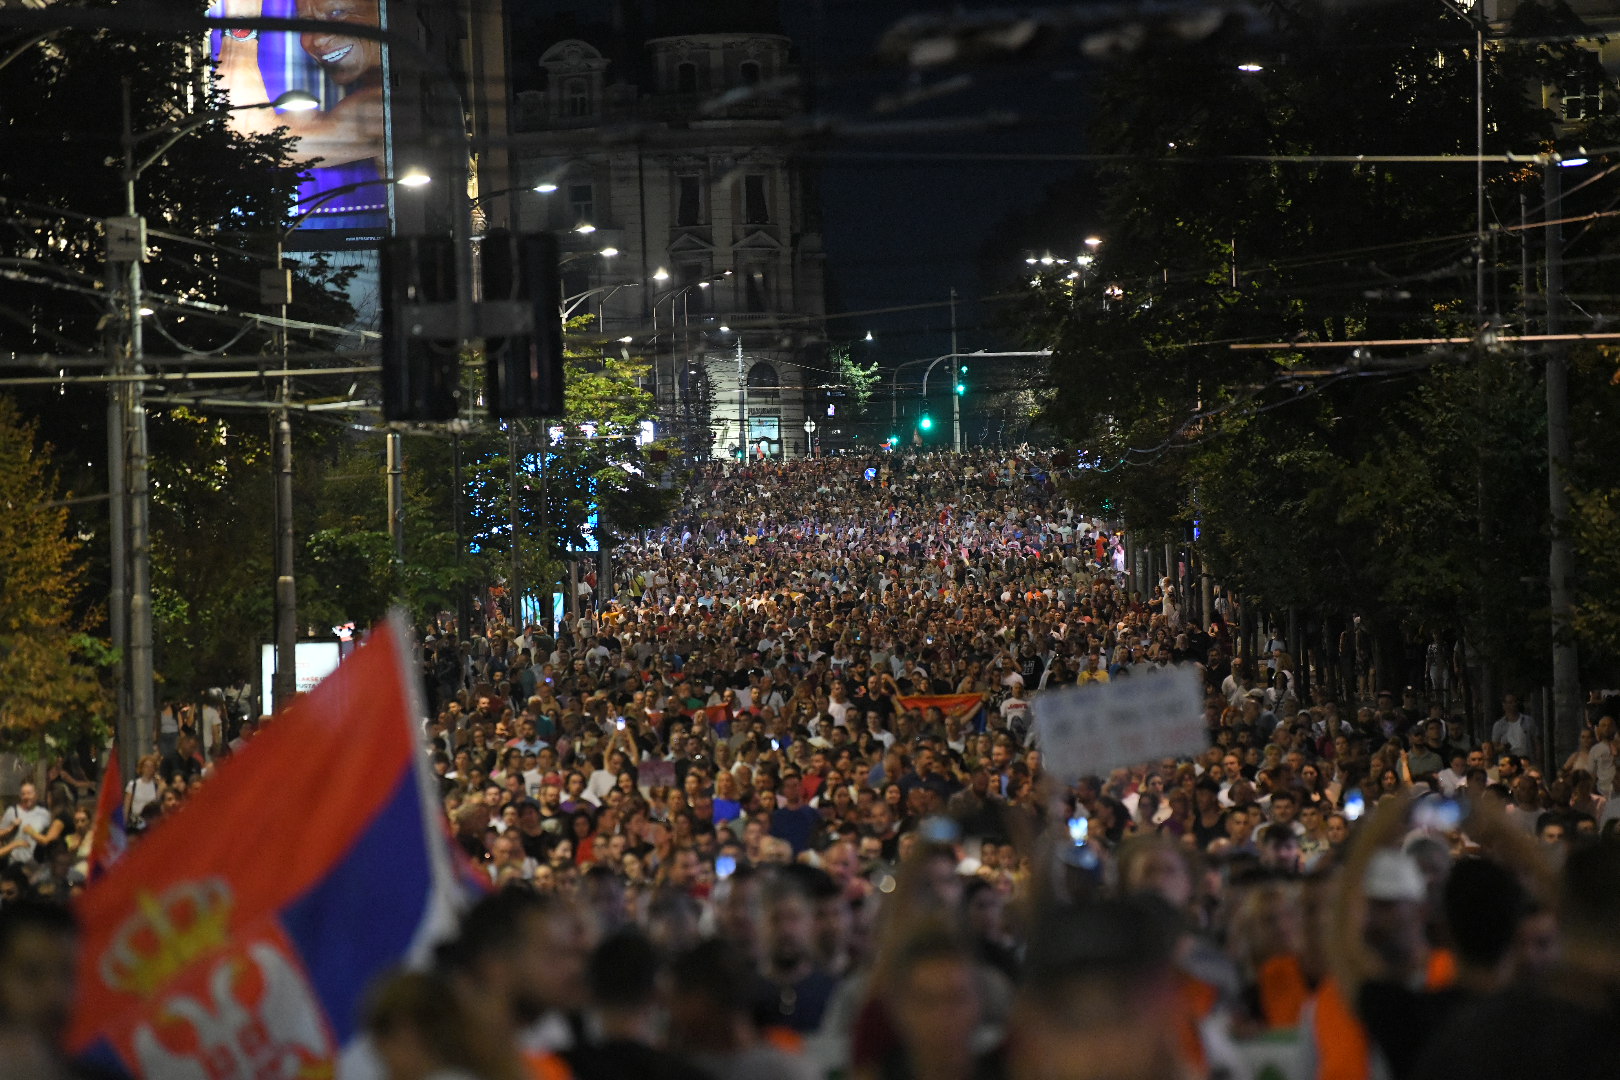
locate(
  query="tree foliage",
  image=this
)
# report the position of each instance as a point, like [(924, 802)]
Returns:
[(52, 686), (1408, 485)]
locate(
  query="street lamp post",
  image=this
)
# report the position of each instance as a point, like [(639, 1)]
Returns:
[(809, 437), (276, 288), (132, 543)]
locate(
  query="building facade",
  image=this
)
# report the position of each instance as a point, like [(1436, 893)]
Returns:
[(676, 151)]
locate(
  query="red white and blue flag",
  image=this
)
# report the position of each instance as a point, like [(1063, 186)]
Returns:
[(107, 835), (237, 939)]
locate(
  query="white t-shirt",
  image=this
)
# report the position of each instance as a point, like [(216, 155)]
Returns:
[(145, 793), (38, 819)]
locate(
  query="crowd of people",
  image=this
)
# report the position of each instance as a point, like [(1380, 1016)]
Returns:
[(773, 804)]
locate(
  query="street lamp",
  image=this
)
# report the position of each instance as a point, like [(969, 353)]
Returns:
[(809, 436), (127, 466)]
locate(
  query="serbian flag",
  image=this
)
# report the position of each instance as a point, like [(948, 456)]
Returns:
[(107, 836), (964, 707), (237, 939)]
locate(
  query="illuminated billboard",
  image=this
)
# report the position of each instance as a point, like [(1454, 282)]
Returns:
[(343, 141)]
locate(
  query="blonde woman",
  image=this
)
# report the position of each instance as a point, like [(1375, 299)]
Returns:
[(143, 791)]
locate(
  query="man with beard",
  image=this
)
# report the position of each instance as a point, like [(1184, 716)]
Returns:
[(799, 987)]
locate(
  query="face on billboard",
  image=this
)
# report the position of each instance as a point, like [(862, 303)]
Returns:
[(342, 141)]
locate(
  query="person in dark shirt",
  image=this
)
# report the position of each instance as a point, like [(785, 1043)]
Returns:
[(799, 989), (794, 820), (624, 974), (1564, 1025)]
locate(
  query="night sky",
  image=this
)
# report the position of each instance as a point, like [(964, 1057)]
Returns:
[(904, 231), (897, 232)]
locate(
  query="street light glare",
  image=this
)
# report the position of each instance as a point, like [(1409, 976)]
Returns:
[(297, 101), (1251, 67), (725, 329), (627, 339), (585, 228), (869, 336), (545, 187), (1093, 241), (1572, 162), (609, 252), (660, 274), (414, 177)]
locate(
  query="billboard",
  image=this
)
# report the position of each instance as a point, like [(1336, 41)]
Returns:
[(343, 142), (315, 660)]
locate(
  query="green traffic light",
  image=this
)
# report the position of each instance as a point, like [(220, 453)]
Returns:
[(926, 422), (961, 388), (964, 369), (894, 440)]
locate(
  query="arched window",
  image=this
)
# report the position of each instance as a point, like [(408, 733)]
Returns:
[(578, 102), (764, 386)]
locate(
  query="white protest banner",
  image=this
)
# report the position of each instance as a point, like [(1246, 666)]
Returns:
[(1084, 730)]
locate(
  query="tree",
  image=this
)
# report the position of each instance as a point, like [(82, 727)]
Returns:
[(585, 473), (52, 687), (214, 202), (1408, 487)]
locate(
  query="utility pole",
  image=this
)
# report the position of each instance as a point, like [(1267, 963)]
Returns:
[(514, 570), (136, 490), (742, 401), (118, 503), (396, 498), (956, 399), (276, 288), (1567, 712)]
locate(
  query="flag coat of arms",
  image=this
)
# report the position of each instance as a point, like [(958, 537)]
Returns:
[(238, 939)]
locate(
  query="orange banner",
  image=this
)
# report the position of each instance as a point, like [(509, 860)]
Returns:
[(959, 706)]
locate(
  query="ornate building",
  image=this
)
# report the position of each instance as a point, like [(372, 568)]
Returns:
[(665, 135)]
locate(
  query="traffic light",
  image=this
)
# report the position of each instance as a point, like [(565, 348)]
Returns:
[(419, 376), (894, 440), (523, 349), (961, 388), (926, 423)]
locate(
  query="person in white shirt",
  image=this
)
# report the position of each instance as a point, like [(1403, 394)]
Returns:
[(1015, 708), (603, 780), (1602, 756), (24, 826), (838, 704), (1515, 731)]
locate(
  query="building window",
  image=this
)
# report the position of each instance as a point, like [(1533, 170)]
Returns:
[(749, 72), (581, 203), (755, 211), (764, 385), (756, 291), (1584, 99), (686, 78), (689, 200), (577, 99)]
